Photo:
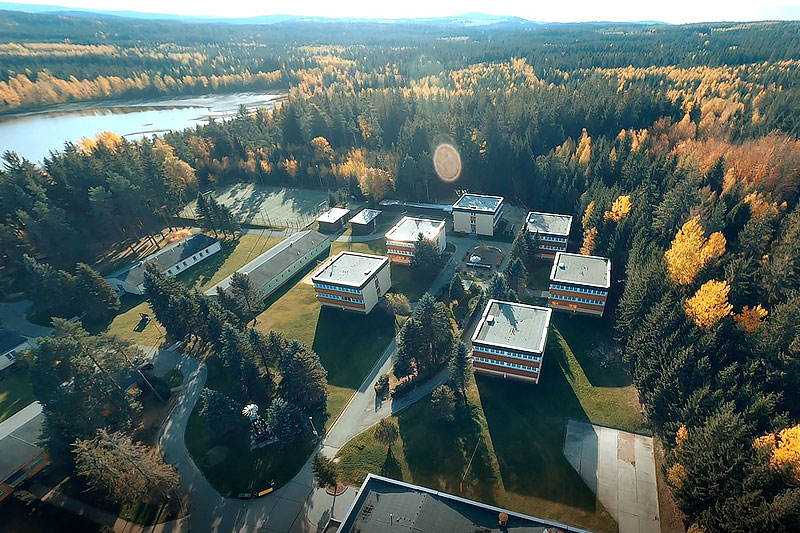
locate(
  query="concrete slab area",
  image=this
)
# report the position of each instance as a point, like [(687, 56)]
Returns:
[(620, 469)]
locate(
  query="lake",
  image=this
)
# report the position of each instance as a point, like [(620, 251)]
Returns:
[(33, 135)]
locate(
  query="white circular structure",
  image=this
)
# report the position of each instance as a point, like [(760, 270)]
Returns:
[(447, 162)]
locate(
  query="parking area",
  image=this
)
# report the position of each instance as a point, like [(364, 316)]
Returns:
[(619, 468)]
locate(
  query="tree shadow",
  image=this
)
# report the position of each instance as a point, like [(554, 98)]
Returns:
[(527, 424), (391, 467), (204, 271)]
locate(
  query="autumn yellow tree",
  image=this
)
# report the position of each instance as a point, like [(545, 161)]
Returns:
[(710, 304), (620, 208), (375, 183), (750, 317), (691, 251), (784, 448), (589, 236)]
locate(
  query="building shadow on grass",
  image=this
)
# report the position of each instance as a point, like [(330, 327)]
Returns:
[(592, 342), (204, 271), (527, 424)]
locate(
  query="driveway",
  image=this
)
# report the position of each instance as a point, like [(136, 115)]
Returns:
[(12, 318)]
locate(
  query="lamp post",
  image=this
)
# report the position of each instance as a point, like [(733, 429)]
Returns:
[(313, 429)]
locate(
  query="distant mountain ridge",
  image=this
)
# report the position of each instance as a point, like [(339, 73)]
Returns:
[(466, 19)]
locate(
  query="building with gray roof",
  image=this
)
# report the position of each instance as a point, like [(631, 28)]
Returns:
[(333, 219), (270, 270), (478, 214), (364, 221), (385, 505), (11, 345), (171, 260), (510, 340), (352, 281), (550, 232), (20, 456), (580, 283)]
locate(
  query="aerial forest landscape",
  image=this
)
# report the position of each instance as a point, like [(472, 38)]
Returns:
[(448, 274)]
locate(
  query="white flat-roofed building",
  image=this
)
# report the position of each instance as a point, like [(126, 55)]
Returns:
[(401, 238), (364, 222), (477, 213), (333, 219), (276, 266), (580, 283), (550, 232), (172, 260), (510, 340), (352, 281)]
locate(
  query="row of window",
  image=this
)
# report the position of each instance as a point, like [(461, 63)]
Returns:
[(400, 244), (401, 252), (201, 253), (551, 238), (330, 286), (572, 288), (341, 298), (533, 369), (551, 247), (575, 299), (510, 353)]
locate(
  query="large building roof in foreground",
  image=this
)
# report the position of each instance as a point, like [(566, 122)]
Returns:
[(349, 268), (514, 325), (266, 266), (479, 202), (387, 506), (18, 439), (165, 258), (589, 270), (409, 228), (550, 223)]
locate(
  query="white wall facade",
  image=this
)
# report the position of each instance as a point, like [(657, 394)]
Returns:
[(485, 223)]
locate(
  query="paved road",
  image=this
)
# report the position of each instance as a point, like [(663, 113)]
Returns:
[(298, 506), (12, 318)]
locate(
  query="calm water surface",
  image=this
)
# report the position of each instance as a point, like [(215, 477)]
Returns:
[(34, 135)]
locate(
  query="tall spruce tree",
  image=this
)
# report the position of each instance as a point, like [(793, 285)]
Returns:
[(304, 380), (98, 299)]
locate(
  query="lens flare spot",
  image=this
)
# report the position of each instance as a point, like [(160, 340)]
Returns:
[(447, 162)]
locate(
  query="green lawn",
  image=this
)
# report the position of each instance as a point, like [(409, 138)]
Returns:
[(15, 391), (234, 255), (226, 459), (519, 463)]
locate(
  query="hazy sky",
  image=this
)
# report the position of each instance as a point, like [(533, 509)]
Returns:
[(675, 11)]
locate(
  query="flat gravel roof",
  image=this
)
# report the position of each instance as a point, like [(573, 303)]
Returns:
[(409, 228), (479, 202), (580, 269), (349, 268), (514, 325), (550, 223)]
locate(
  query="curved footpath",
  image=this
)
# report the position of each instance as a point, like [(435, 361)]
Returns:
[(299, 506)]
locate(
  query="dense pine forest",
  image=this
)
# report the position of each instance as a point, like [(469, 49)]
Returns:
[(676, 148)]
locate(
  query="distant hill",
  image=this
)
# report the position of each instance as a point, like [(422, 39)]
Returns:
[(464, 20)]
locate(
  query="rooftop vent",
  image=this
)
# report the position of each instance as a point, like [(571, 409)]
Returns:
[(490, 319), (562, 266)]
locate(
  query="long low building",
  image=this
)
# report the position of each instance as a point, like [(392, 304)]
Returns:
[(20, 455), (550, 232), (400, 240), (478, 214), (580, 283), (510, 340), (270, 270), (352, 281), (384, 505), (172, 260), (11, 345)]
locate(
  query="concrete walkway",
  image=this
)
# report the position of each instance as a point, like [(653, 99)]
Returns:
[(620, 469)]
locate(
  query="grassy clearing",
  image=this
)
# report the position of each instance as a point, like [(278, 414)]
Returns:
[(539, 275), (15, 390), (519, 462), (234, 255), (226, 460)]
